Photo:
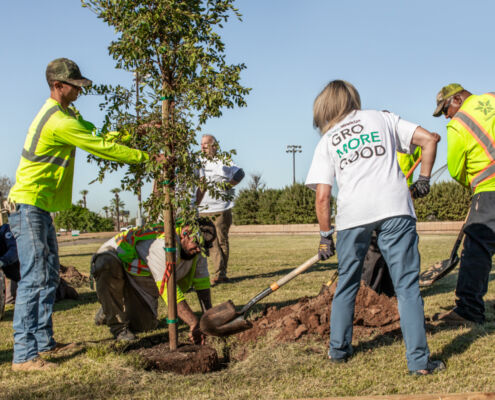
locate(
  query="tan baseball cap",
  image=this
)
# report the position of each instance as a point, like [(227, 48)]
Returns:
[(65, 70), (444, 94)]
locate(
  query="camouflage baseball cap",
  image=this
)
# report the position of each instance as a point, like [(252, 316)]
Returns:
[(65, 70), (444, 94)]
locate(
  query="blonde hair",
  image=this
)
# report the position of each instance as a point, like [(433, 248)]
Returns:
[(334, 102)]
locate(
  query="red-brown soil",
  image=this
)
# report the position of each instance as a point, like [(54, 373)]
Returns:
[(187, 359), (374, 313), (72, 276)]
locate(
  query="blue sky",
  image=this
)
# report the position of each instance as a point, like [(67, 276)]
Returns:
[(398, 54)]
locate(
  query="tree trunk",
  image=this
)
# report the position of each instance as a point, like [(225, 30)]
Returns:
[(169, 230)]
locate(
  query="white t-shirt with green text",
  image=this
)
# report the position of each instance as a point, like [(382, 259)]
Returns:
[(359, 153)]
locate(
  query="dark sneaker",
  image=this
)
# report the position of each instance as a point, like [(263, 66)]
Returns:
[(36, 364), (100, 317), (125, 335), (59, 348), (337, 360), (451, 317), (432, 367), (220, 279)]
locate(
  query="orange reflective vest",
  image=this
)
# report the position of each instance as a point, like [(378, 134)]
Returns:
[(471, 143)]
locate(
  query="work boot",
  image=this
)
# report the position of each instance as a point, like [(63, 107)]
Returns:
[(432, 367), (125, 335), (451, 318), (36, 364), (100, 317), (219, 279), (58, 348)]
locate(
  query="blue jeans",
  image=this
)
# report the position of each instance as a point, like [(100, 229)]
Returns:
[(398, 242), (38, 255)]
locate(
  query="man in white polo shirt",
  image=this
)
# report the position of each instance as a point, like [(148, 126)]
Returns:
[(217, 209)]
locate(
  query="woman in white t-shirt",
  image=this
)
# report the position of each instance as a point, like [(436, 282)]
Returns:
[(358, 150)]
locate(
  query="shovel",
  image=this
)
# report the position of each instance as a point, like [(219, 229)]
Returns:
[(442, 268), (224, 320)]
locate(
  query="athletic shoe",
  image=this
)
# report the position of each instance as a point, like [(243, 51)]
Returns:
[(432, 367)]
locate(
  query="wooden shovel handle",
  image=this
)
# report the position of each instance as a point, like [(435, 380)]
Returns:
[(410, 172), (291, 275)]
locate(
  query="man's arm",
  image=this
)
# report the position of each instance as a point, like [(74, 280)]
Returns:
[(75, 133), (186, 314), (238, 177), (322, 205), (326, 248), (428, 143)]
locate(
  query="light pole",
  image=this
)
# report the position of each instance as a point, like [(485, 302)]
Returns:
[(293, 148)]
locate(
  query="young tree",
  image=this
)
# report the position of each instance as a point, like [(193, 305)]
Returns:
[(174, 47)]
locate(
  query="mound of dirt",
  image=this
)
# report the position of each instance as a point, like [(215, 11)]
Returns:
[(311, 315), (72, 276), (187, 359)]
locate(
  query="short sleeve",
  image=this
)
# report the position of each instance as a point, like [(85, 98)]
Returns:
[(322, 168), (403, 132)]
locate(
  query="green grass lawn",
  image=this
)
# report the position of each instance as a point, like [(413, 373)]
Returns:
[(100, 370)]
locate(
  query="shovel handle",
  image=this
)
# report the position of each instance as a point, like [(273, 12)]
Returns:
[(282, 281), (410, 172)]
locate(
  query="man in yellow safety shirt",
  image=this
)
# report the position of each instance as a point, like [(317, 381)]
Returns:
[(130, 274), (471, 162), (43, 185)]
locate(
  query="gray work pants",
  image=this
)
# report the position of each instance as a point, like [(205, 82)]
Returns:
[(219, 252), (126, 304)]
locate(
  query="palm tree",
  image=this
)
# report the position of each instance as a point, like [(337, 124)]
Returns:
[(84, 193), (116, 203), (106, 209)]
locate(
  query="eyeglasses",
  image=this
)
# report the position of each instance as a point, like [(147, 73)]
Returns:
[(445, 108)]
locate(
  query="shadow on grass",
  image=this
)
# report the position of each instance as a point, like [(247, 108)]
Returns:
[(8, 314), (6, 356), (77, 254), (447, 284), (457, 346), (317, 267), (67, 304)]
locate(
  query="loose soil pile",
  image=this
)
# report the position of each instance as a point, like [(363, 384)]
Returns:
[(72, 276), (374, 313), (187, 359)]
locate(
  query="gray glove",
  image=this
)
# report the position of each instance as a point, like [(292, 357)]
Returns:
[(421, 187), (326, 248)]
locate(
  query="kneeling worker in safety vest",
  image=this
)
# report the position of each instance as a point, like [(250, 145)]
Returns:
[(471, 162), (130, 272)]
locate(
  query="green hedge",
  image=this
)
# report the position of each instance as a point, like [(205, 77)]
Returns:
[(447, 201)]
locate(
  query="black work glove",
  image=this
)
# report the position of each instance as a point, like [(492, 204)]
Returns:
[(421, 187), (326, 248)]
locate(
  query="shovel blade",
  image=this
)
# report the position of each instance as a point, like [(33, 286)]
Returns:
[(437, 271), (217, 316), (237, 325)]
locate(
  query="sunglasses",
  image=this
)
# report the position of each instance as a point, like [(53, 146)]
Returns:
[(445, 108), (73, 86)]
